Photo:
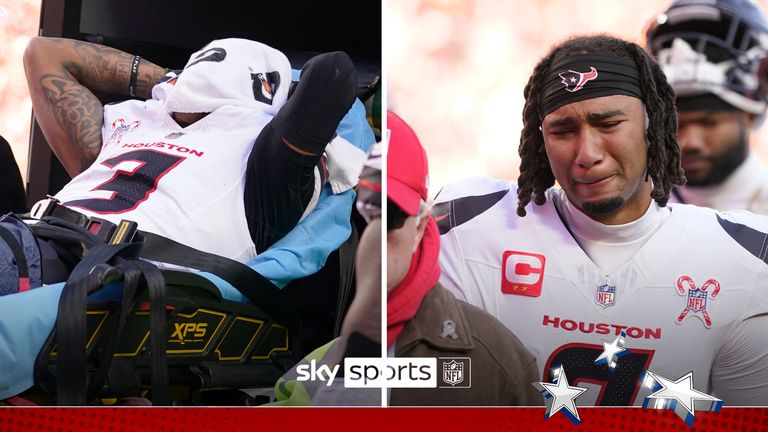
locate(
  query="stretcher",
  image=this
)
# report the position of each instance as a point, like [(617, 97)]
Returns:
[(215, 338)]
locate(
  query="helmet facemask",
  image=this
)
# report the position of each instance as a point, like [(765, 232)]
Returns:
[(711, 48)]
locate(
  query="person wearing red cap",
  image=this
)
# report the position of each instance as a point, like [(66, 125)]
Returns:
[(423, 318)]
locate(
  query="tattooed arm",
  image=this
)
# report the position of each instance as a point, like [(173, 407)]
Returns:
[(62, 75)]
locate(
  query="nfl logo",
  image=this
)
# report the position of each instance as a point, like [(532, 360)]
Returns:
[(453, 372), (697, 300), (605, 295)]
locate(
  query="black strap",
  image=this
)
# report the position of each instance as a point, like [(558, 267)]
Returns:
[(18, 255), (130, 274), (75, 238), (69, 215), (157, 325), (71, 323), (258, 289), (71, 331)]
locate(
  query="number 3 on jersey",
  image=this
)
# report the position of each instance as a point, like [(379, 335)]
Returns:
[(618, 387), (130, 188)]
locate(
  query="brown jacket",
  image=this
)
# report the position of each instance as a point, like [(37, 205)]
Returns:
[(502, 370)]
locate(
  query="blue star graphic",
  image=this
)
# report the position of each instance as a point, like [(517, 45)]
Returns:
[(559, 395), (612, 351), (678, 395)]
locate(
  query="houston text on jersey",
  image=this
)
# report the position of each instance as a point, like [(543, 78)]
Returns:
[(169, 146), (601, 328)]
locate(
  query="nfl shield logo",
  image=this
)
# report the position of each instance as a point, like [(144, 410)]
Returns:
[(697, 300), (605, 295), (453, 372)]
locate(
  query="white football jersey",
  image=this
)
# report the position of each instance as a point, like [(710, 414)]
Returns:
[(745, 189), (186, 184), (679, 299)]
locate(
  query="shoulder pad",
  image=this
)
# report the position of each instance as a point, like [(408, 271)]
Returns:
[(754, 241), (450, 214)]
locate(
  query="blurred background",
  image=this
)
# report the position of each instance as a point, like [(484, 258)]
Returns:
[(456, 70), (19, 21)]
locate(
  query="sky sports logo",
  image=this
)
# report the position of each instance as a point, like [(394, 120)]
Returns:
[(393, 372)]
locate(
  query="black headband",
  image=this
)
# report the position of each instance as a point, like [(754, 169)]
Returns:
[(587, 76)]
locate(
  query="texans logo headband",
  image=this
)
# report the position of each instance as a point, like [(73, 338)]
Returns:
[(587, 76)]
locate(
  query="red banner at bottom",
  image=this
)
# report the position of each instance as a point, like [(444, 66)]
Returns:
[(133, 419)]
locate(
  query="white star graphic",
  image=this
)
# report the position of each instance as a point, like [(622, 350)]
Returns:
[(573, 79), (559, 395), (668, 394), (612, 351)]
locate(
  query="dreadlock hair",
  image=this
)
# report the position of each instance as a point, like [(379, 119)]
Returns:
[(659, 100)]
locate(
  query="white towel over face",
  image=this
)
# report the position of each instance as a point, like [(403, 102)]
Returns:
[(235, 72)]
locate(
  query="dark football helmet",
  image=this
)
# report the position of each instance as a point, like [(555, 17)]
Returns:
[(715, 47)]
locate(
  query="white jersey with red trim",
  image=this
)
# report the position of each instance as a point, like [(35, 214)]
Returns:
[(693, 297), (186, 184)]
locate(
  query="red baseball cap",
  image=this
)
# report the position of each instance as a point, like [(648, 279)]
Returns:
[(407, 168)]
